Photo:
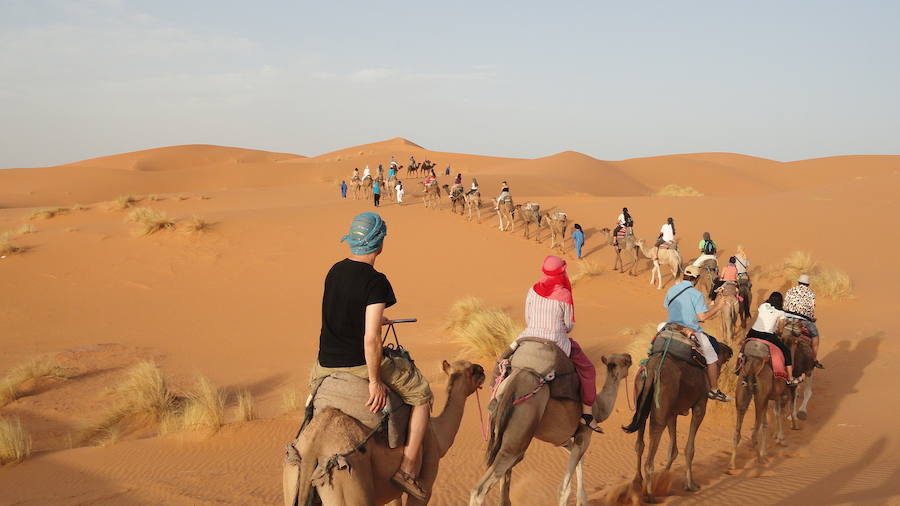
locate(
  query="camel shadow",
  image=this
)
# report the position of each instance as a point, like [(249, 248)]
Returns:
[(261, 387)]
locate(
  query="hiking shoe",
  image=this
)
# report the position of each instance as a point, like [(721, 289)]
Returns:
[(818, 365), (717, 395), (410, 485)]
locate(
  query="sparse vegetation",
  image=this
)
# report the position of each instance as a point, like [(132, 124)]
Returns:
[(79, 207), (25, 228), (31, 370), (124, 202), (674, 190), (155, 197), (71, 229), (204, 409), (245, 406), (196, 224), (586, 269), (205, 197), (6, 247), (641, 337), (290, 400), (183, 197), (482, 332), (150, 221), (825, 281), (45, 213), (15, 442)]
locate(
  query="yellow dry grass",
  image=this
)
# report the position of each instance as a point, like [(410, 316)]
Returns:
[(482, 332), (31, 370), (80, 207), (196, 225), (586, 269), (150, 221), (8, 248), (639, 346), (124, 202), (245, 410), (15, 442), (826, 281), (46, 213), (25, 228), (290, 400), (674, 190), (204, 408)]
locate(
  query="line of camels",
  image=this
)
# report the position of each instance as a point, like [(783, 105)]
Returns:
[(664, 390)]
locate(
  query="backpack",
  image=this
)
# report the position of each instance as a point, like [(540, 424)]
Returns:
[(629, 221), (709, 248)]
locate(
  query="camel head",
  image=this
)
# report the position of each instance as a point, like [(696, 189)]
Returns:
[(472, 375), (618, 364)]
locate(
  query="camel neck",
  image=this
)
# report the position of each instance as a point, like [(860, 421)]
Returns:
[(606, 398), (446, 425)]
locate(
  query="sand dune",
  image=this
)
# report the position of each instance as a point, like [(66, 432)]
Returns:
[(240, 304)]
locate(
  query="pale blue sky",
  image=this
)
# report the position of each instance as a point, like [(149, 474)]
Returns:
[(783, 80)]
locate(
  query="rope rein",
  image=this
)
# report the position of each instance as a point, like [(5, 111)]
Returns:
[(484, 429)]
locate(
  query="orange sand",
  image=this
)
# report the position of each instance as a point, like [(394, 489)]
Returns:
[(241, 304)]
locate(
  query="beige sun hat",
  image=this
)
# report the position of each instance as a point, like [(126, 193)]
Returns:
[(804, 278), (692, 271)]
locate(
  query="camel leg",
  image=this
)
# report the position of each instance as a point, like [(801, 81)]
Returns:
[(762, 421), (504, 489), (656, 431), (697, 414), (807, 386), (500, 469), (741, 403), (673, 440), (582, 499), (779, 420), (637, 482), (576, 448)]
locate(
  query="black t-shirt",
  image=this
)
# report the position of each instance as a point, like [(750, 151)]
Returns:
[(350, 286)]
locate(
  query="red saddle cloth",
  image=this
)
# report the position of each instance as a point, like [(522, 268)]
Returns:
[(777, 359), (622, 232)]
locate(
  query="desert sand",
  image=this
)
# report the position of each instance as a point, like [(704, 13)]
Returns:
[(240, 305)]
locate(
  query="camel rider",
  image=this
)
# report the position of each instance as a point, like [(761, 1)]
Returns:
[(430, 180), (504, 194), (666, 237), (550, 315), (393, 162), (353, 305), (474, 187), (366, 172), (707, 250), (728, 275), (380, 171), (457, 187), (687, 307), (742, 262), (624, 220), (800, 303), (355, 174), (392, 173), (769, 325), (412, 161)]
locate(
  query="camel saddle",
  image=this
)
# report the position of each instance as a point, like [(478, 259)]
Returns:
[(544, 359), (679, 342), (348, 394), (765, 350), (796, 327)]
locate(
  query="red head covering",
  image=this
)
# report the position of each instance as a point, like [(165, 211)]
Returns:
[(554, 284)]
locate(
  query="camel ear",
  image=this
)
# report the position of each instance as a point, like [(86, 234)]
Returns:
[(603, 359), (446, 367)]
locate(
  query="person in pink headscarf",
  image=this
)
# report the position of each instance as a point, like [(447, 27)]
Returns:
[(550, 315)]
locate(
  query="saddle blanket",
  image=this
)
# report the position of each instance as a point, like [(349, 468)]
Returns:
[(776, 358), (542, 357), (678, 342)]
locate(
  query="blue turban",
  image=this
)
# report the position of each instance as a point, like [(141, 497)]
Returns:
[(367, 232)]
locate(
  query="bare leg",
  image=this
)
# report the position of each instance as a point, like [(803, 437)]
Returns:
[(412, 452), (697, 414), (712, 373)]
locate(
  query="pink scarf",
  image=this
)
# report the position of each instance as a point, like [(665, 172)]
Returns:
[(555, 284)]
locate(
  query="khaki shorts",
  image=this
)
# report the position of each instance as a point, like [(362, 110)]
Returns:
[(400, 375)]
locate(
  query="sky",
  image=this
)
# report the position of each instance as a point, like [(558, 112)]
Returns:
[(614, 80)]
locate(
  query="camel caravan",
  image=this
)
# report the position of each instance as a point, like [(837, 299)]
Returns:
[(368, 436)]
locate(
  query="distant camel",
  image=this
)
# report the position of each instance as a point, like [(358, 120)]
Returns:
[(552, 420), (757, 382), (387, 188), (746, 299), (432, 195), (412, 170), (557, 222), (507, 213), (367, 187), (356, 187), (530, 213), (801, 354), (670, 257), (668, 388), (473, 205), (627, 245), (456, 198), (363, 475), (729, 313)]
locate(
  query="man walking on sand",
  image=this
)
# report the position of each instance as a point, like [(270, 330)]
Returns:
[(343, 189)]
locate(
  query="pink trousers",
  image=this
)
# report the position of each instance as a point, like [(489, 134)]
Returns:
[(586, 373)]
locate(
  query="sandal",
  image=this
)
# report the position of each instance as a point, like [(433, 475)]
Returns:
[(589, 422), (409, 484), (717, 395), (818, 365)]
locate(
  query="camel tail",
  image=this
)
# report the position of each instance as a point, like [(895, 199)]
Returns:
[(502, 413), (643, 402), (750, 370)]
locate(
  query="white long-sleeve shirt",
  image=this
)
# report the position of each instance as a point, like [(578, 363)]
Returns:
[(667, 233), (548, 319)]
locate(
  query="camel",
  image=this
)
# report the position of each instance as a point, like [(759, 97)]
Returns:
[(387, 187), (363, 477), (473, 205), (530, 213), (554, 421), (757, 382), (802, 355), (729, 313), (746, 299), (412, 170), (709, 272), (356, 186), (367, 187), (669, 388), (669, 257), (557, 222), (507, 213), (432, 195), (630, 247), (457, 200)]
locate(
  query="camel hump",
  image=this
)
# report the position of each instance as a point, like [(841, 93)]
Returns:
[(756, 348), (348, 394), (545, 359)]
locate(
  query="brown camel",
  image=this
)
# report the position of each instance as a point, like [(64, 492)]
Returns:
[(627, 245), (387, 187), (507, 213), (554, 421), (363, 477), (473, 205), (356, 187), (709, 272), (757, 382), (412, 170), (669, 388), (746, 299), (432, 195), (670, 257), (530, 212), (802, 356), (367, 187), (557, 222), (729, 313), (457, 199)]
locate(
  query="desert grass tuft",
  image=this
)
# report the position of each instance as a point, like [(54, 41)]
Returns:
[(15, 442), (33, 369), (825, 281), (674, 190), (290, 400), (46, 213), (481, 331), (25, 228), (586, 269), (639, 346), (155, 198), (80, 207), (196, 225), (124, 202), (183, 197), (150, 221), (8, 248), (205, 197), (245, 406), (204, 408)]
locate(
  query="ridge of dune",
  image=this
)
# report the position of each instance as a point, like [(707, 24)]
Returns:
[(378, 146), (181, 156)]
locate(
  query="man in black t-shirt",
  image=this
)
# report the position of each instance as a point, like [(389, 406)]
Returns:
[(353, 305)]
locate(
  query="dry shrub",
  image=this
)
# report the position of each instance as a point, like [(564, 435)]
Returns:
[(25, 228), (150, 221), (586, 269), (72, 229), (639, 346), (825, 281), (673, 190), (79, 207), (205, 197), (155, 197), (124, 202), (482, 332), (109, 436), (30, 370), (15, 442), (8, 248), (290, 400), (183, 197), (245, 406), (204, 408), (197, 225), (46, 213)]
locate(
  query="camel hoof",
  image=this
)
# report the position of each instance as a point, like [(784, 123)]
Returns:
[(691, 487), (801, 415), (650, 500)]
